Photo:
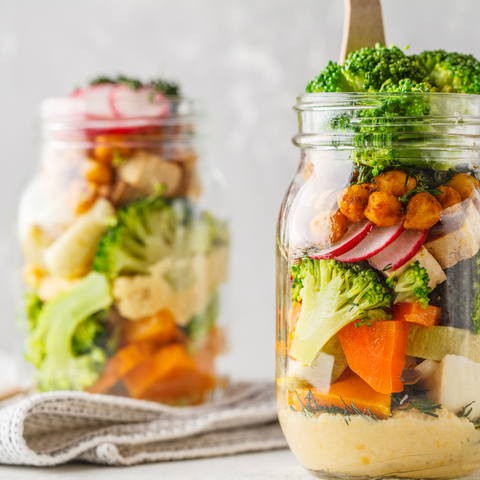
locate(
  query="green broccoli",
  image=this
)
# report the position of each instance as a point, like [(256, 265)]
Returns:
[(151, 229), (144, 232), (333, 295), (368, 70), (59, 344), (451, 72), (412, 285)]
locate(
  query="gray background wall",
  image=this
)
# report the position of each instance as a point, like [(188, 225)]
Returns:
[(246, 60)]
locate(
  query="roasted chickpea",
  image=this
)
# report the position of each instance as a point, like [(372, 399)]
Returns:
[(97, 173), (384, 210), (328, 227), (111, 144), (423, 212), (395, 182), (465, 185), (449, 198), (353, 201)]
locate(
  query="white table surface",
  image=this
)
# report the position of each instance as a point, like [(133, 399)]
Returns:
[(279, 464)]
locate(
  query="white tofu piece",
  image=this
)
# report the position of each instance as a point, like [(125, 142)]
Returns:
[(460, 244), (435, 272), (454, 384), (70, 254)]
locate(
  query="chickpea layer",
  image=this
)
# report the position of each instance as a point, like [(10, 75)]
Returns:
[(466, 185), (328, 227), (449, 198), (353, 201), (423, 212), (384, 210), (395, 182)]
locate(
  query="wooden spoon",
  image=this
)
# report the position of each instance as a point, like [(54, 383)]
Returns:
[(362, 27)]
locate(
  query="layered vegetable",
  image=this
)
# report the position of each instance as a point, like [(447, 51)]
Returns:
[(124, 261), (386, 263)]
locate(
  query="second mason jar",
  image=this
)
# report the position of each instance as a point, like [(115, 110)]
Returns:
[(125, 242), (378, 287)]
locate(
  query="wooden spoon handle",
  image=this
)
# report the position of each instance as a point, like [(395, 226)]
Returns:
[(363, 26)]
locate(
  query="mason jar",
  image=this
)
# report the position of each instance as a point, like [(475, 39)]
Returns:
[(378, 287), (125, 242)]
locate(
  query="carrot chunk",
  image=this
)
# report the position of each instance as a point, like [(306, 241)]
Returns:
[(347, 389), (377, 353), (167, 364), (415, 313), (160, 327), (121, 363)]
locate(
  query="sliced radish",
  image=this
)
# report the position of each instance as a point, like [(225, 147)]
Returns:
[(144, 102), (378, 239), (355, 234), (400, 251)]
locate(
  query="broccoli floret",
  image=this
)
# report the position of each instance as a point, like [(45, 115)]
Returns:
[(451, 72), (66, 358), (368, 70), (334, 294), (143, 233), (412, 285), (152, 229)]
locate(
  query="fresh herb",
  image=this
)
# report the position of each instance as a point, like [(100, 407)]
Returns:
[(415, 397), (168, 88), (465, 411), (423, 189), (387, 267), (311, 407)]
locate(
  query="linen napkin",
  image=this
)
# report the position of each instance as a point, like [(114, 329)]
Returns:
[(58, 427)]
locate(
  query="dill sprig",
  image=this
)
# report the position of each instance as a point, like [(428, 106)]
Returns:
[(415, 397), (311, 407), (168, 88), (422, 189), (465, 411)]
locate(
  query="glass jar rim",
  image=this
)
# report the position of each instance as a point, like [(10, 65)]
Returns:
[(316, 100)]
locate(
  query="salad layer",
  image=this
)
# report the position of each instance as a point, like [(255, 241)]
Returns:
[(379, 336), (124, 266)]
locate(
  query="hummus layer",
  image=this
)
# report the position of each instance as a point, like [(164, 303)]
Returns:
[(410, 444)]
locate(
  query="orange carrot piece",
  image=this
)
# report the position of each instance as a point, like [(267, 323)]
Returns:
[(377, 353), (160, 327), (121, 363), (165, 365), (349, 387), (415, 313)]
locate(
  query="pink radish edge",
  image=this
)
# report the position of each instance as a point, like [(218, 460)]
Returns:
[(358, 231), (378, 239), (384, 258)]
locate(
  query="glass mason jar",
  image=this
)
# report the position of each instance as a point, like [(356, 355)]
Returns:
[(124, 236), (378, 287)]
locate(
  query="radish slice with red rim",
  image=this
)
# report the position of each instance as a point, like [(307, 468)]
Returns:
[(400, 251), (378, 239), (355, 234)]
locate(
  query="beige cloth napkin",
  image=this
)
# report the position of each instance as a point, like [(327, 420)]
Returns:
[(57, 427)]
